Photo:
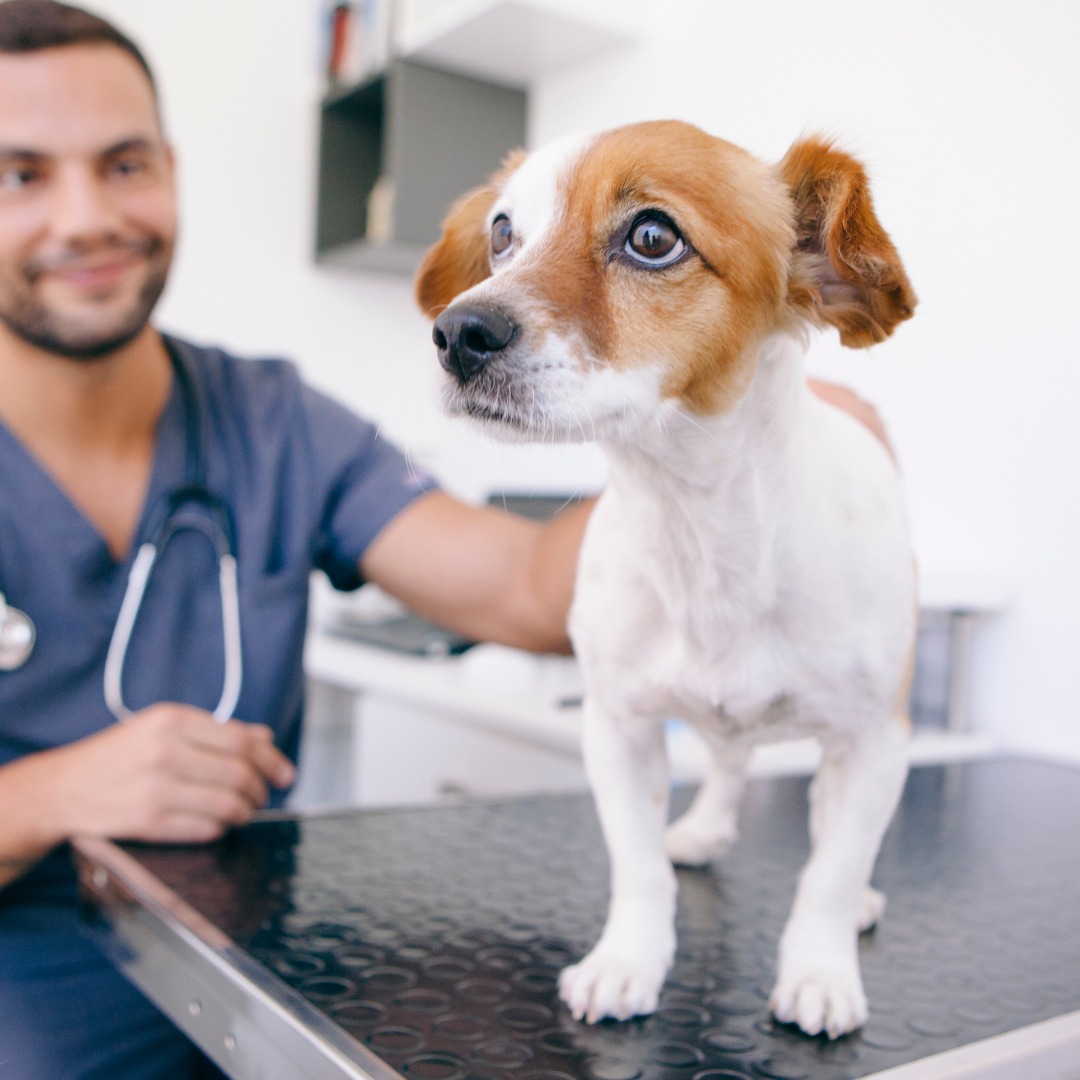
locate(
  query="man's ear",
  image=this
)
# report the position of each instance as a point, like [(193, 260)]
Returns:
[(846, 272), (459, 260)]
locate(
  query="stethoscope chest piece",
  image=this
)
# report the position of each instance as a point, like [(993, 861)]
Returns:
[(16, 636)]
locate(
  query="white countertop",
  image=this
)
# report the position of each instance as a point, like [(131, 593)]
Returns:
[(536, 700)]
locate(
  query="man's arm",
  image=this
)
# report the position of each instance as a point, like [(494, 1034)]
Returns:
[(169, 773), (488, 574), (497, 577)]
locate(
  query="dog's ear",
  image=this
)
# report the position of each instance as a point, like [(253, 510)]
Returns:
[(459, 260), (846, 272)]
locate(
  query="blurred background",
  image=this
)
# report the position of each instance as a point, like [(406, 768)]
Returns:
[(966, 115)]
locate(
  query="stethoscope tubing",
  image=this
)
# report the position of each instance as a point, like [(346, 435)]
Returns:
[(17, 632), (219, 531), (138, 579)]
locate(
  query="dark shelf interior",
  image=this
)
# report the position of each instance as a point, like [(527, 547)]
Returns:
[(429, 134)]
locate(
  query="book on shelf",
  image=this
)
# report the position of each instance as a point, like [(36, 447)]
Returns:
[(358, 40)]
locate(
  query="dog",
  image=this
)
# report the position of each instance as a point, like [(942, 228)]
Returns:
[(748, 566)]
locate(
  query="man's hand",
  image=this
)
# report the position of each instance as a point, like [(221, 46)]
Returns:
[(168, 773), (843, 397)]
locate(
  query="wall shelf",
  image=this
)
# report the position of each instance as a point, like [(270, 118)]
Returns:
[(513, 42), (397, 149)]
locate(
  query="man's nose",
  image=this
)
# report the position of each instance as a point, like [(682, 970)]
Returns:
[(81, 206)]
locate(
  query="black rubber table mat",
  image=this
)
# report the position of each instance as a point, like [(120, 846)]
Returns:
[(435, 936)]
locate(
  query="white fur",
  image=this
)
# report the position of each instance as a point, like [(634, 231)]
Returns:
[(546, 396), (749, 572), (531, 200), (754, 577)]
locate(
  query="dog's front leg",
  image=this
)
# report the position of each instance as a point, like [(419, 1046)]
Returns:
[(853, 797), (711, 825), (626, 762)]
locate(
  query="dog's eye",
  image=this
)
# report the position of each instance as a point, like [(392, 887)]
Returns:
[(502, 235), (654, 240)]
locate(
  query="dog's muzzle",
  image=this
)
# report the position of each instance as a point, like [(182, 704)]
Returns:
[(469, 337)]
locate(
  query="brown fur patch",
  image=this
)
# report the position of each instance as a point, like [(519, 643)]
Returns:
[(846, 271), (701, 317), (706, 316)]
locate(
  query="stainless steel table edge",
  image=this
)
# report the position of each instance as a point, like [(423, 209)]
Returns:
[(1049, 1050), (251, 1024)]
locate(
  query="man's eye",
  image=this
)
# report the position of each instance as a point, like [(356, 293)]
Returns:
[(128, 167), (16, 178), (502, 235), (654, 240)]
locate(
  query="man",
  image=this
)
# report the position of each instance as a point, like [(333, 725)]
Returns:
[(100, 417), (92, 431)]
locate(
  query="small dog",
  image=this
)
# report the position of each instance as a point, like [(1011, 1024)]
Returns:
[(748, 566)]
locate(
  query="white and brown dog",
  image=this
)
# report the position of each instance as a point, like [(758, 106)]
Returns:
[(748, 566)]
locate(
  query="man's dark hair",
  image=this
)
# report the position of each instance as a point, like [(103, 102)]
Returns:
[(30, 25)]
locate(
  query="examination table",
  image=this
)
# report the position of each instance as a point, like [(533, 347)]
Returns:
[(426, 943)]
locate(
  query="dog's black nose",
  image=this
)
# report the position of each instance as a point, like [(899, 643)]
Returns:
[(468, 337)]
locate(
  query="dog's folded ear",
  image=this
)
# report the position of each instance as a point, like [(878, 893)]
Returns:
[(459, 260), (846, 271)]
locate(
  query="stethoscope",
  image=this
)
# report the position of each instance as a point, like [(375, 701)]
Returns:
[(190, 506), (17, 636)]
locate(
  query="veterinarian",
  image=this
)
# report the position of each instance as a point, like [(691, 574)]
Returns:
[(113, 435), (100, 416)]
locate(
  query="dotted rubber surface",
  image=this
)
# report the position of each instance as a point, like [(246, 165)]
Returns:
[(434, 936)]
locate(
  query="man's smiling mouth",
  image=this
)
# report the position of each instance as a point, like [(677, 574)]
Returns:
[(92, 266)]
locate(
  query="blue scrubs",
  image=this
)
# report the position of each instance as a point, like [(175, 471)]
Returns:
[(309, 486)]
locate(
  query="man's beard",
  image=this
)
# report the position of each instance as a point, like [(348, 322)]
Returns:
[(46, 329)]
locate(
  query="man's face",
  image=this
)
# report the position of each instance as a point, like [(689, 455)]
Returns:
[(87, 200)]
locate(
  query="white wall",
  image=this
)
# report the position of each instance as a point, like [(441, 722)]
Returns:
[(966, 114)]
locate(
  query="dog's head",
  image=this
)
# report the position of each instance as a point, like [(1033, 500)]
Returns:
[(592, 280)]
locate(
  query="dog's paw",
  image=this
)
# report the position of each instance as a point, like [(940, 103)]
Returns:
[(830, 1001), (610, 985), (690, 843), (871, 908)]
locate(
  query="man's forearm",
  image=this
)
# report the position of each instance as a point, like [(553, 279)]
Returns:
[(28, 831)]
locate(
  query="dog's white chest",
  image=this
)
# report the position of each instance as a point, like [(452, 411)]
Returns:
[(765, 613), (692, 660)]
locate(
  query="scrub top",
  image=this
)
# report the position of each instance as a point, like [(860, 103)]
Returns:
[(308, 485)]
